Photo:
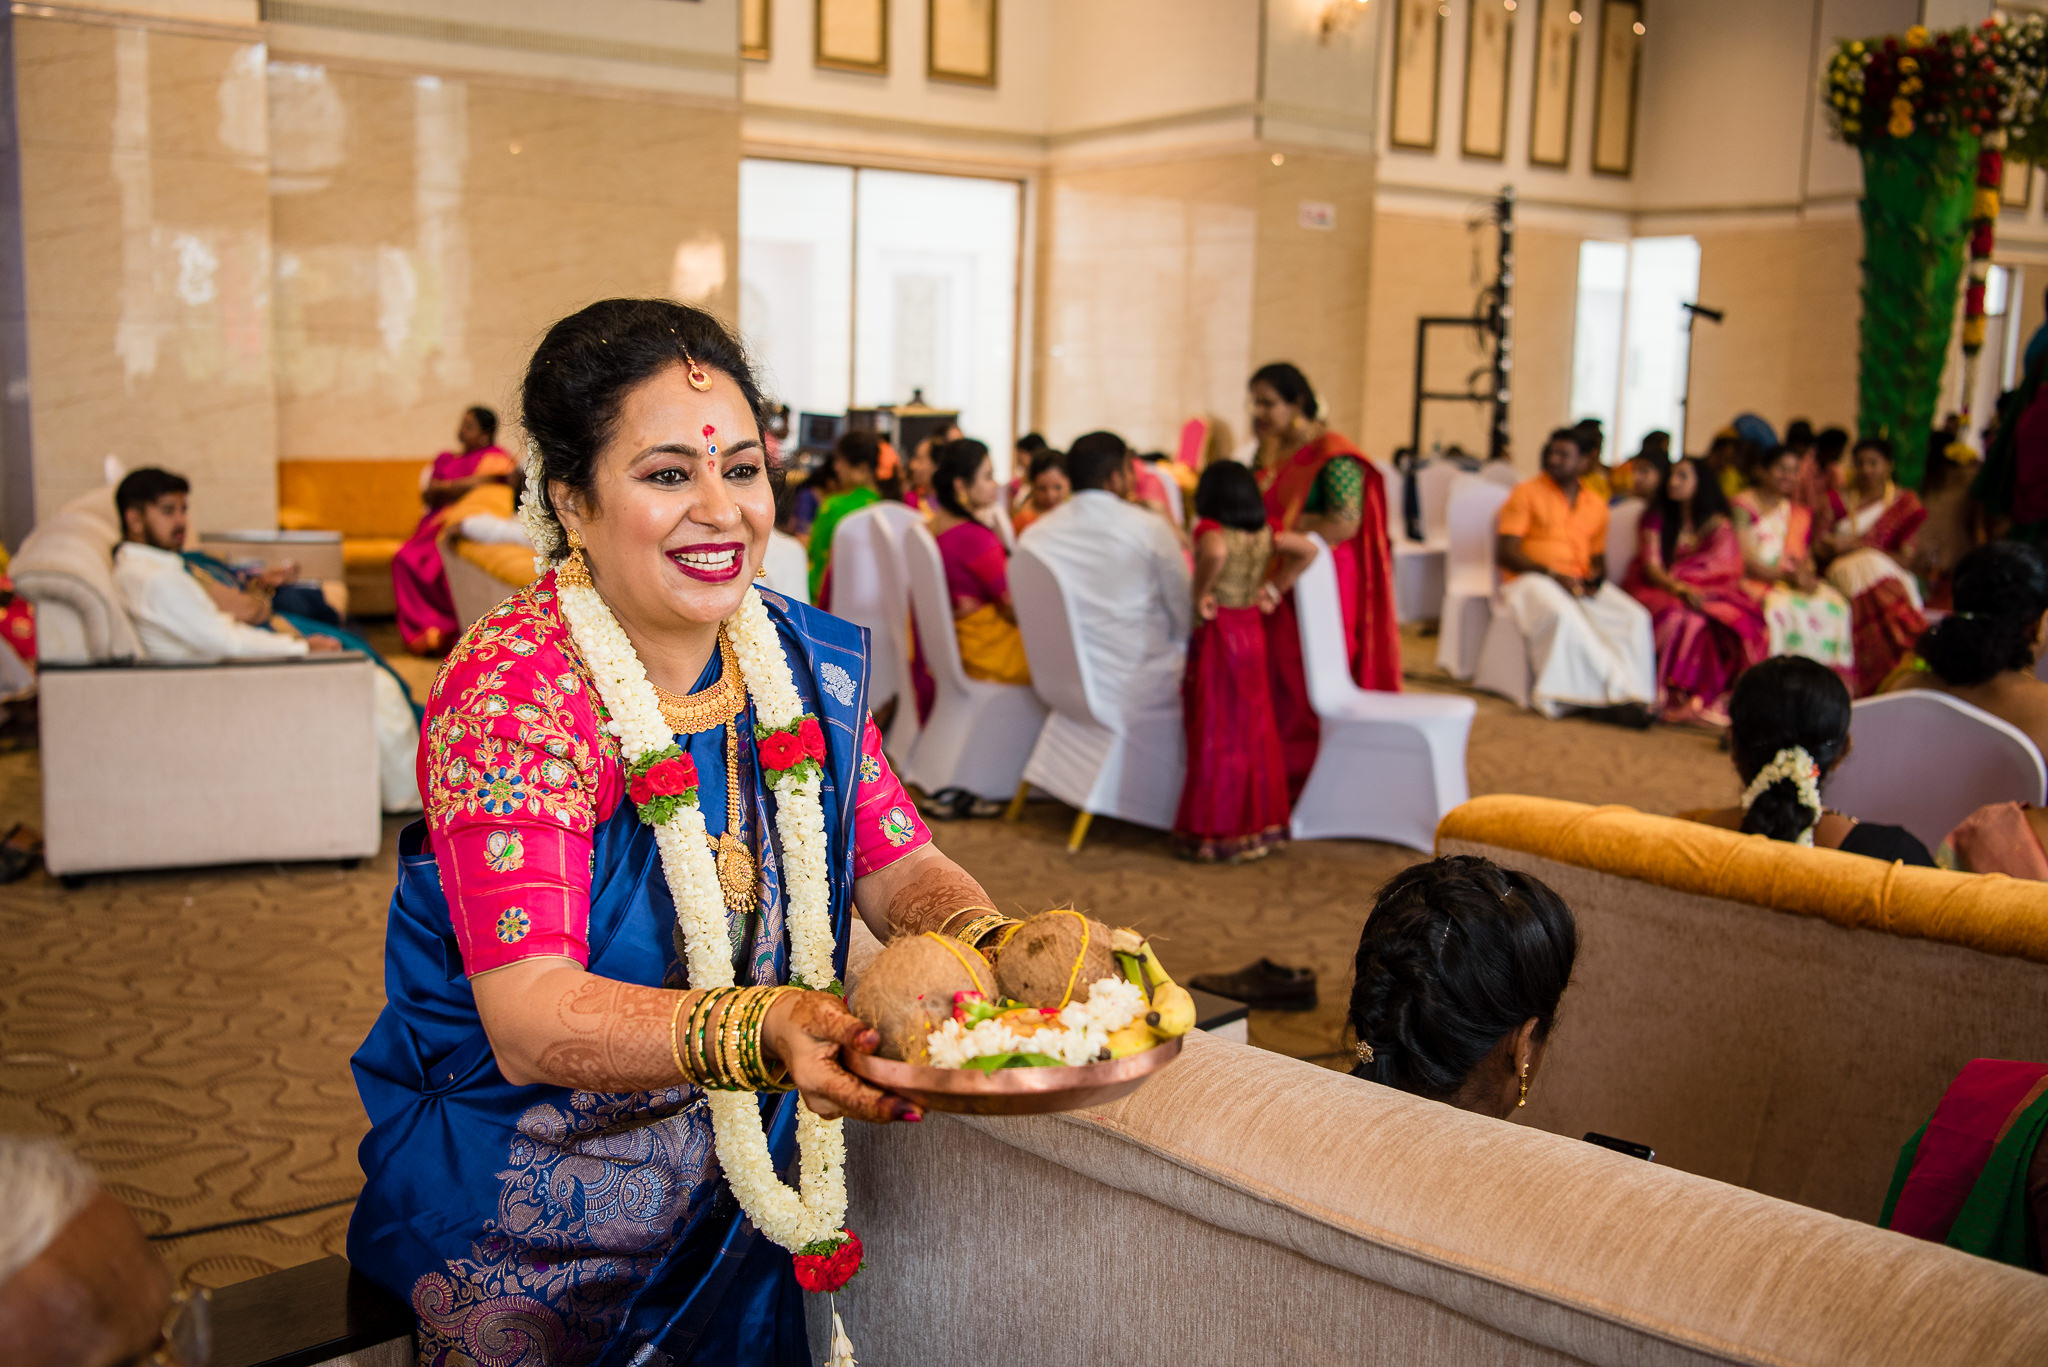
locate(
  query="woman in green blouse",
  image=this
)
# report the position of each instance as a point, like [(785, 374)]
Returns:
[(854, 463)]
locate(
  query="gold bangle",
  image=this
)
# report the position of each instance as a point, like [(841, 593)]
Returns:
[(770, 1079), (700, 1024), (674, 1050), (981, 927), (729, 1044)]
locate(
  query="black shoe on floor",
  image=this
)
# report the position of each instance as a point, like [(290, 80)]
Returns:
[(1263, 986), (1634, 715)]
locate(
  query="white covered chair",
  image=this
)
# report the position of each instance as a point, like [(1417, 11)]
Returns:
[(1501, 472), (869, 590), (1419, 566), (1624, 521), (789, 569), (474, 589), (1388, 765), (1924, 760), (979, 734), (1470, 577), (1093, 755)]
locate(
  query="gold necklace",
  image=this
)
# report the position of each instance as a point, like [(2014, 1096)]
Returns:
[(689, 714)]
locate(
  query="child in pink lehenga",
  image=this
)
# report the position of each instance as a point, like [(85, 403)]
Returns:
[(1234, 804)]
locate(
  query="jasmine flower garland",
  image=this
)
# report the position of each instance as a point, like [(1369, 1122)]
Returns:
[(815, 1213)]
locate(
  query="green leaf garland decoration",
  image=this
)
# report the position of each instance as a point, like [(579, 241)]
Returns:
[(1916, 219)]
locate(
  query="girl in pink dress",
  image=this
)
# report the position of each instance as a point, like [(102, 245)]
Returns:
[(1234, 804)]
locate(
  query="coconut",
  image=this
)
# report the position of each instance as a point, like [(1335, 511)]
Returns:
[(908, 990), (1053, 958)]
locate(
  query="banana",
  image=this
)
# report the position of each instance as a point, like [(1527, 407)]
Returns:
[(1173, 1009), (1134, 1038)]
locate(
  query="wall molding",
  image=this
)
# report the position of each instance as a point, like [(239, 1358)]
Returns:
[(495, 36), (159, 23)]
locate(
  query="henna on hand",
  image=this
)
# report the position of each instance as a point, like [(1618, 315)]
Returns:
[(555, 1022), (804, 1031)]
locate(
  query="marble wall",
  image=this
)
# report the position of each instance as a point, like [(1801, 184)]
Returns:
[(429, 228), (1164, 284), (146, 259)]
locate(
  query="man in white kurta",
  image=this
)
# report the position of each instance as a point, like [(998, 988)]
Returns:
[(177, 619), (1590, 644), (1126, 577)]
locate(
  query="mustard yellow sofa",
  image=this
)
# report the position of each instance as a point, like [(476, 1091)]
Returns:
[(374, 504), (1772, 1016)]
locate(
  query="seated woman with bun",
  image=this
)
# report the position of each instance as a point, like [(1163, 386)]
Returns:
[(1459, 972), (1788, 729), (1985, 653)]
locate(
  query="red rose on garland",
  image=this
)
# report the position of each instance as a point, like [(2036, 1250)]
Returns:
[(671, 777), (780, 750), (640, 790), (828, 1271), (812, 736)]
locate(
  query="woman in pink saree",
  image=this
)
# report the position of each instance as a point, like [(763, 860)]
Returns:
[(419, 581), (1688, 573)]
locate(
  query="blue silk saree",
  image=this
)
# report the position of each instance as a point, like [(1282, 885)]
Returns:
[(534, 1224)]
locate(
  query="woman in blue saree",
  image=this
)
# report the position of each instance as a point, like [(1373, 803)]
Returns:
[(543, 1182)]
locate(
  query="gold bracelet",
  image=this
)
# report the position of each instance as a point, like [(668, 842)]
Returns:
[(729, 1042), (981, 927), (708, 1073), (674, 1050), (777, 1078)]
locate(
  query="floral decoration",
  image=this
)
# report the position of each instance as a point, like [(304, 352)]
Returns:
[(793, 751), (660, 782), (816, 1209), (828, 1264)]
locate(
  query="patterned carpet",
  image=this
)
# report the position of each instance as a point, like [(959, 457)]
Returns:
[(189, 1033)]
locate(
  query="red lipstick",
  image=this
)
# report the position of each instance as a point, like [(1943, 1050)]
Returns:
[(712, 562)]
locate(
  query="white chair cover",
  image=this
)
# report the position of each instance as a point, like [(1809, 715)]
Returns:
[(1433, 485), (1388, 765), (869, 590), (789, 569), (1175, 504), (1924, 760), (1094, 754), (1624, 521), (1501, 472), (1470, 577), (979, 734), (1005, 531)]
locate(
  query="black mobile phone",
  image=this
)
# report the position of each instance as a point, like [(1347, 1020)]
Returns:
[(1627, 1146)]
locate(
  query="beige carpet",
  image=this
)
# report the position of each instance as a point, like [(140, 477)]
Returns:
[(189, 1033)]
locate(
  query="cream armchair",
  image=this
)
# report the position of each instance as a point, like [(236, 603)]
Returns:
[(154, 765)]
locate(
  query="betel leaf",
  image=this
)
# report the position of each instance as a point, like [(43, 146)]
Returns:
[(991, 1063)]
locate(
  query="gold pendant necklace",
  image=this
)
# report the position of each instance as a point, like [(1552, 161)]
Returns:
[(689, 714)]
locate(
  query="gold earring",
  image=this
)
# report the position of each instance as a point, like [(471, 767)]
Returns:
[(761, 573), (1523, 1099), (574, 571)]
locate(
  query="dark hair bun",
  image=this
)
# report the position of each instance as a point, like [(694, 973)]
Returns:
[(1457, 954), (2001, 590), (1778, 813)]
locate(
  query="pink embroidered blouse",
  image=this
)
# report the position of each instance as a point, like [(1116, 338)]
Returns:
[(518, 771)]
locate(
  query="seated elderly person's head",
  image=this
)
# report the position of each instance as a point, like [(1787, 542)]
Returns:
[(79, 1286), (1460, 969)]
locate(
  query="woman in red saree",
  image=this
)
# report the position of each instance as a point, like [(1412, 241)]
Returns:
[(419, 581), (1688, 573), (1873, 548), (1316, 481)]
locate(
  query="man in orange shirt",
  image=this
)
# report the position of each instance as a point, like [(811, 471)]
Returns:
[(1589, 643)]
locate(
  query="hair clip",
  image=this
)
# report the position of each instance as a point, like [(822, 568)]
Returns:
[(1363, 1050)]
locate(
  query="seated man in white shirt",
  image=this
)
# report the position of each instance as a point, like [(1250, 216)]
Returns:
[(1125, 574), (177, 619)]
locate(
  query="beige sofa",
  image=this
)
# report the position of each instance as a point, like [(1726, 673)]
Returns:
[(1243, 1207), (154, 765), (1246, 1207), (1772, 1016)]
